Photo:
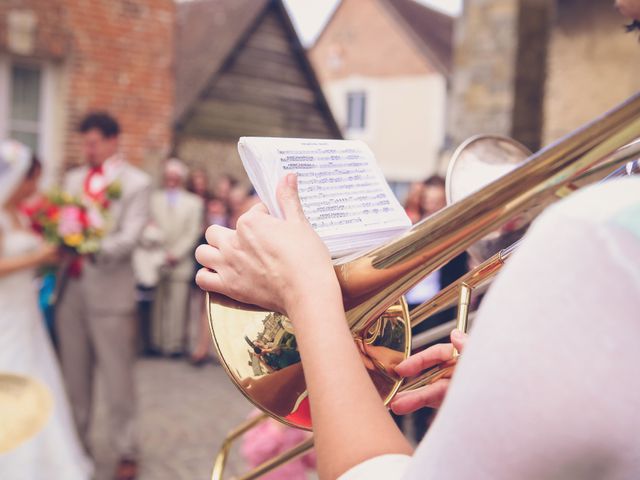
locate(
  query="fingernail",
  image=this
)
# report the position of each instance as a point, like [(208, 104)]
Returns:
[(456, 333), (291, 180)]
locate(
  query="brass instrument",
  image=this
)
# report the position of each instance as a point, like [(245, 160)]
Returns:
[(25, 406), (258, 348), (482, 274)]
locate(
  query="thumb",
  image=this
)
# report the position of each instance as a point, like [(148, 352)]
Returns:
[(459, 339), (288, 199)]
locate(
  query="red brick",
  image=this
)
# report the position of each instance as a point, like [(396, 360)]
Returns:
[(97, 41)]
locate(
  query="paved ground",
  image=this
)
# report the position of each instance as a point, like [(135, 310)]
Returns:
[(184, 413)]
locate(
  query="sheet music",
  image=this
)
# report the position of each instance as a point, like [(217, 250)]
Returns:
[(344, 195), (340, 186)]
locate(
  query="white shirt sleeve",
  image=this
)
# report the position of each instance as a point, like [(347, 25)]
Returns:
[(389, 467)]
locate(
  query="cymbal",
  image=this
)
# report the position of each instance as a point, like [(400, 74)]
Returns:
[(25, 406)]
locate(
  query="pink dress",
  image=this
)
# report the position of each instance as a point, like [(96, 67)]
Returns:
[(270, 438)]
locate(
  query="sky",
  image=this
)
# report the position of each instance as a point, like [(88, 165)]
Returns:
[(309, 16)]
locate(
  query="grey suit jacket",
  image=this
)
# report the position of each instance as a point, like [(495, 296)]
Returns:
[(108, 283), (181, 225)]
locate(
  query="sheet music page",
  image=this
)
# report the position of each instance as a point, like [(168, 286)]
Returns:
[(342, 190), (340, 186)]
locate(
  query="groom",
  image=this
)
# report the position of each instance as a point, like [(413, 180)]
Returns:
[(96, 315)]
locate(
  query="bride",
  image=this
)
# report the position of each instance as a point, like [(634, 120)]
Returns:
[(55, 451)]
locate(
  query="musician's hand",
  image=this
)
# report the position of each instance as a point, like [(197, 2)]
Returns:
[(431, 395), (274, 263)]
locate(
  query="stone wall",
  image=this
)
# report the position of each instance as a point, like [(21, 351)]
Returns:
[(216, 156), (593, 65), (538, 69), (499, 67)]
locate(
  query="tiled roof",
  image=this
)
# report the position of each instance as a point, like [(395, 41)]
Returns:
[(430, 29)]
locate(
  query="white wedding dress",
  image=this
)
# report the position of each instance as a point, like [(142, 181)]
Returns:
[(55, 452)]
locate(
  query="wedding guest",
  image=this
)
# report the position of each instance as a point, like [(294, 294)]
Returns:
[(25, 348), (198, 183), (223, 186), (178, 214), (148, 259), (236, 203), (412, 202), (432, 199), (216, 214), (96, 314)]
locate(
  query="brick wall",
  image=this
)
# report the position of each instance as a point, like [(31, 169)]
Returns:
[(116, 55), (363, 39)]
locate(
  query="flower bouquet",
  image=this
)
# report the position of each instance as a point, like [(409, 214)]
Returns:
[(68, 222), (74, 225)]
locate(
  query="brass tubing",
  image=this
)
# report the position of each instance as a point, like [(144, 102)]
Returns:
[(221, 458), (483, 273), (371, 282), (631, 168), (448, 296), (463, 311), (430, 376), (627, 156)]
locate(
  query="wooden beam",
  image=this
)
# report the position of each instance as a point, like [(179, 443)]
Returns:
[(251, 113), (259, 86), (211, 126), (254, 66)]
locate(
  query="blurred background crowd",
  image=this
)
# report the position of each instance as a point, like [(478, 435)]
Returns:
[(181, 81)]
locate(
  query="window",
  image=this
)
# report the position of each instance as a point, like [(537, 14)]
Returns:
[(356, 110), (32, 102), (24, 111)]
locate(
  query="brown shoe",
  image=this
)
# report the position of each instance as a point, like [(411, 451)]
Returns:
[(127, 470)]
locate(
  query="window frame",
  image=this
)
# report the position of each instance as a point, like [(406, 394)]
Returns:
[(27, 126), (50, 129), (360, 95)]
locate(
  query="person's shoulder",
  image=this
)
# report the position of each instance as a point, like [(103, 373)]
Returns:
[(136, 177), (193, 198), (602, 215)]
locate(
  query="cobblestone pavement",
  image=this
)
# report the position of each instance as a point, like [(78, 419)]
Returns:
[(184, 414)]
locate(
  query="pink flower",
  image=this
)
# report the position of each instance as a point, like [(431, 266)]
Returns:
[(70, 222)]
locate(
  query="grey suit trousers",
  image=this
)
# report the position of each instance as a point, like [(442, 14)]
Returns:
[(90, 337)]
